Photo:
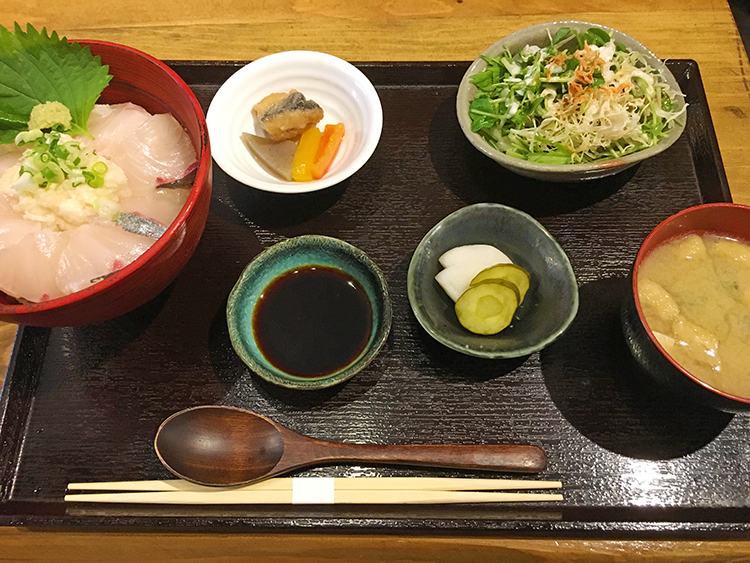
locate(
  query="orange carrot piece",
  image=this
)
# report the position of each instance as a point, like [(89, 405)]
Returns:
[(330, 141)]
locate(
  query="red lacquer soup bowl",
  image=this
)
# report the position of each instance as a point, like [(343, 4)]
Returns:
[(146, 81), (724, 219)]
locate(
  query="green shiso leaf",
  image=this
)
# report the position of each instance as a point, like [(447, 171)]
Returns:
[(36, 67)]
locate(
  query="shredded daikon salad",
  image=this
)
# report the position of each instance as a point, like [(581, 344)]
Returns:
[(582, 98)]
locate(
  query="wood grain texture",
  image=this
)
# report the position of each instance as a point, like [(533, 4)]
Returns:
[(391, 30), (7, 336), (19, 545)]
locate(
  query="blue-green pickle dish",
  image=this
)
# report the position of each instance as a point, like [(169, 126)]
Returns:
[(549, 307), (288, 255)]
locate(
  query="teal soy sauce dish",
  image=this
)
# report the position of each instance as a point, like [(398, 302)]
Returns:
[(309, 312)]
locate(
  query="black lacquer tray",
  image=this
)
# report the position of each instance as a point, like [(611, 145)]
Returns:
[(83, 404)]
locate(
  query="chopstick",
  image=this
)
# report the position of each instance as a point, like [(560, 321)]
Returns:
[(317, 490), (287, 497), (340, 483)]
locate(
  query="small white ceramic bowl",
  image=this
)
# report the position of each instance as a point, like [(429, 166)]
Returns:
[(540, 35), (344, 93)]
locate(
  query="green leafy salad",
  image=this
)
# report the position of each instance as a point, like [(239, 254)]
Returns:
[(580, 99), (48, 88)]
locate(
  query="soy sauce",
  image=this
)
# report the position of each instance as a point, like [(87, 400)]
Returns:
[(312, 321)]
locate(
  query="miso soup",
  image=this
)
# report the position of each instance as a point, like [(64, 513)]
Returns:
[(695, 295)]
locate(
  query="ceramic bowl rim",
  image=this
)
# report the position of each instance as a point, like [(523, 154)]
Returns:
[(489, 354), (371, 140), (203, 171), (642, 254), (595, 169), (379, 333)]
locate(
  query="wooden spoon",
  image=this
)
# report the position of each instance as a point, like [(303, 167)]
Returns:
[(223, 446)]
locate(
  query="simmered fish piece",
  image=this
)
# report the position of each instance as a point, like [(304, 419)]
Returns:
[(286, 116)]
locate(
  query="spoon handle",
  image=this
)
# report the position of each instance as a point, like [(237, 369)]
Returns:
[(486, 457)]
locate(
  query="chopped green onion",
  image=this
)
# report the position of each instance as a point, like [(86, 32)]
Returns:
[(96, 182), (50, 173), (52, 161)]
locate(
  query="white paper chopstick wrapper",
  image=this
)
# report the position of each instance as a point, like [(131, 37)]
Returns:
[(313, 490)]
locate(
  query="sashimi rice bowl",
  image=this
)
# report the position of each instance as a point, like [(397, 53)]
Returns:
[(105, 179), (568, 101)]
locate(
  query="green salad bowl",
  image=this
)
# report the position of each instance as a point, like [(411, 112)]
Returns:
[(540, 35)]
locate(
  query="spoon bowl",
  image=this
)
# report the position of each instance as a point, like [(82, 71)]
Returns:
[(227, 446), (224, 444)]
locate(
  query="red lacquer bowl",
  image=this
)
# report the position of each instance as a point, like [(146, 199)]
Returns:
[(146, 81), (726, 219)]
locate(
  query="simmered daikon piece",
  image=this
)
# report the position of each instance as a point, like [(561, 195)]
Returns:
[(277, 157)]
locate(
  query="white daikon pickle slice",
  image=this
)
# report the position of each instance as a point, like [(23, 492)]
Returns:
[(480, 253)]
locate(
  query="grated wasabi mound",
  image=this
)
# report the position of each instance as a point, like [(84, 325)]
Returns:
[(49, 115)]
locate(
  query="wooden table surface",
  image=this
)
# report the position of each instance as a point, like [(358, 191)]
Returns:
[(388, 30)]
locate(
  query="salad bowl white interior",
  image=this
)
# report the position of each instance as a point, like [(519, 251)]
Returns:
[(342, 90), (540, 35)]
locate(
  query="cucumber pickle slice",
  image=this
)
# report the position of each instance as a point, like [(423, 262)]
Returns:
[(511, 273), (487, 307)]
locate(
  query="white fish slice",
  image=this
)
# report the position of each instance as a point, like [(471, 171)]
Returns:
[(151, 149), (93, 251), (109, 124), (14, 228), (140, 225), (162, 206), (28, 270)]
